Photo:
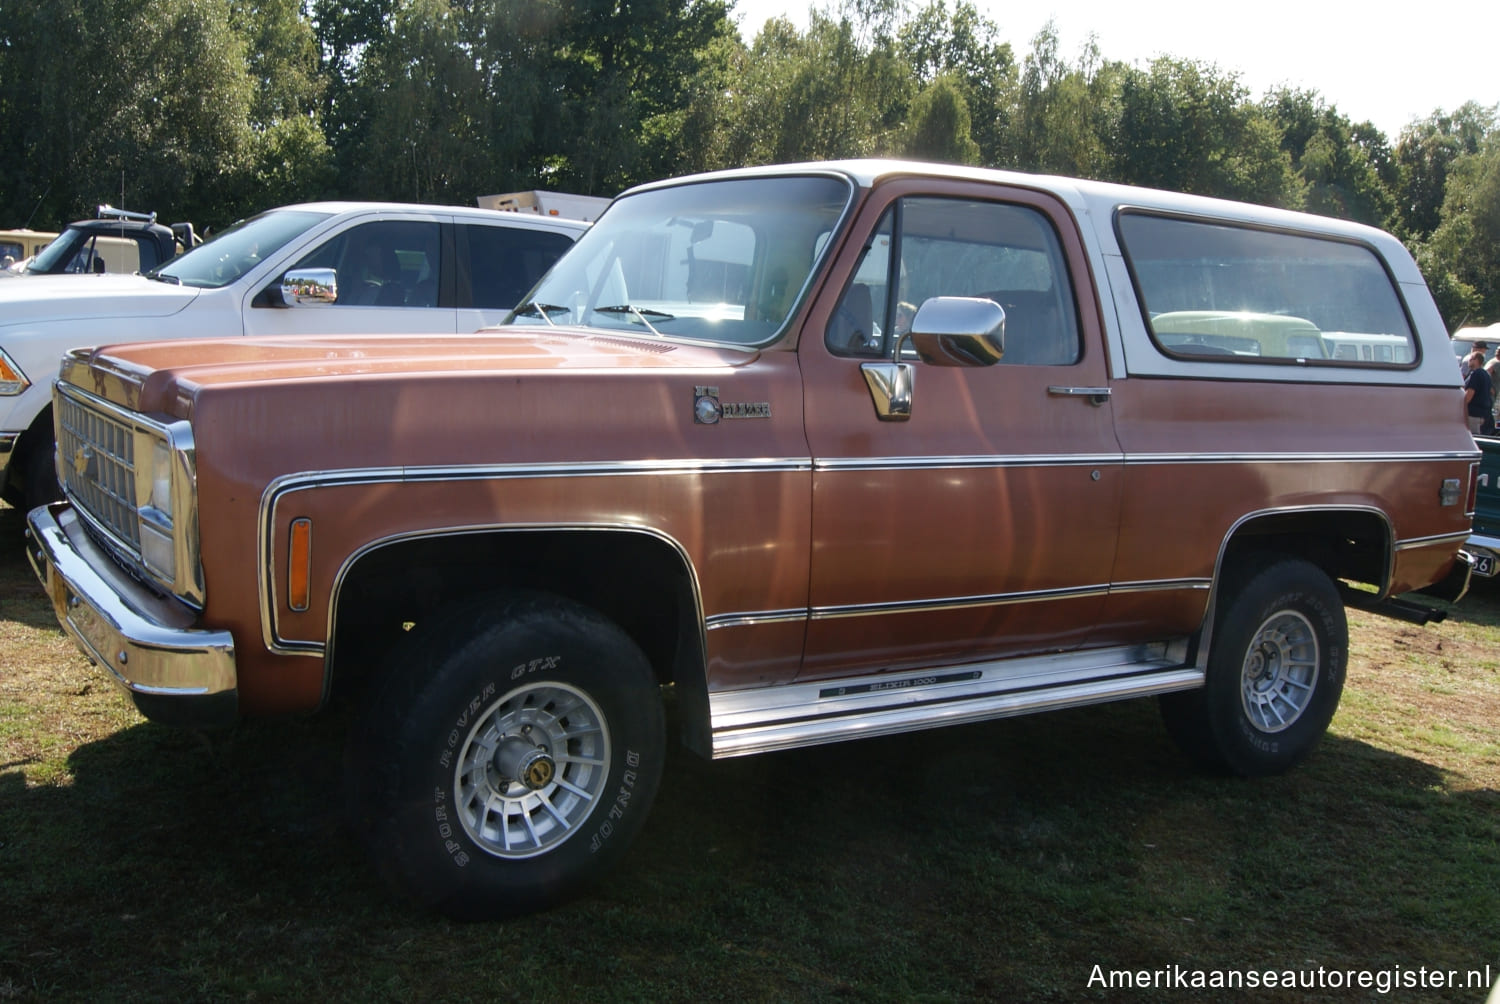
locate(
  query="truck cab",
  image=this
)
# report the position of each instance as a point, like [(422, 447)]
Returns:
[(115, 241)]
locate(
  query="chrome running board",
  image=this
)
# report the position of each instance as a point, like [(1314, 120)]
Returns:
[(825, 711)]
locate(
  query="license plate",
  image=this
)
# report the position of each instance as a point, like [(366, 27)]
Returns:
[(1484, 563)]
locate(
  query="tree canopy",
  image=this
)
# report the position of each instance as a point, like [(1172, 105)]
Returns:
[(210, 110)]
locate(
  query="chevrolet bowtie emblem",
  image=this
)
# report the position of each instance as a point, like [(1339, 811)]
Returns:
[(82, 457)]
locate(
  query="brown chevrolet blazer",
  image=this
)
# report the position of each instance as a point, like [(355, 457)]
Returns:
[(831, 450)]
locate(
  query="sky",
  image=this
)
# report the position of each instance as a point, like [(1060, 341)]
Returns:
[(1381, 62)]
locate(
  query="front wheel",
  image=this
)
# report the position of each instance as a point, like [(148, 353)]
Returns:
[(40, 473), (509, 759), (1275, 672)]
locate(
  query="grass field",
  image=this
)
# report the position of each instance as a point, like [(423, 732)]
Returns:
[(1003, 861)]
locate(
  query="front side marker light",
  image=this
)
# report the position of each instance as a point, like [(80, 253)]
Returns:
[(12, 380), (299, 565)]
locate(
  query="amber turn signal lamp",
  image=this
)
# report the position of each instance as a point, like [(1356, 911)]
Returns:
[(299, 565)]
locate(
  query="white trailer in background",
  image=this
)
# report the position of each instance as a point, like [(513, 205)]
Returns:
[(539, 203)]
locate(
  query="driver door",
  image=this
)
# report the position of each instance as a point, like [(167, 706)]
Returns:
[(984, 524)]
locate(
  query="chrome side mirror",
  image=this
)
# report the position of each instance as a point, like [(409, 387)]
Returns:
[(310, 287), (958, 331)]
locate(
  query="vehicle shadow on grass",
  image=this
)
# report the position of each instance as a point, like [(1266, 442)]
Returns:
[(1480, 605), (1020, 853)]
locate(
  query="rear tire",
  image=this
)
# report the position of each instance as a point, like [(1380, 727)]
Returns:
[(1276, 669), (509, 759)]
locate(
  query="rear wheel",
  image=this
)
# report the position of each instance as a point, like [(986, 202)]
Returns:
[(1275, 672), (509, 759)]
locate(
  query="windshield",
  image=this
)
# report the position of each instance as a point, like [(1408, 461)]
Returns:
[(64, 246), (231, 253), (715, 261)]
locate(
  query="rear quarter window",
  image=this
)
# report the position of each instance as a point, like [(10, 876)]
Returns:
[(1218, 292), (505, 262)]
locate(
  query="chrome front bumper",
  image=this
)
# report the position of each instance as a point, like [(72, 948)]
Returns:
[(175, 673)]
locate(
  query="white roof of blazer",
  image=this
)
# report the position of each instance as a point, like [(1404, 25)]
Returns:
[(1095, 205), (1098, 199)]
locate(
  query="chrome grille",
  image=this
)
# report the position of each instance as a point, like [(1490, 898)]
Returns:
[(97, 454)]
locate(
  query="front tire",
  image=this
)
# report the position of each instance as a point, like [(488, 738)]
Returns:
[(40, 474), (509, 759), (1275, 672)]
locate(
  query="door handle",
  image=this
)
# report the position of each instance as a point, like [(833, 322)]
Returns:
[(1097, 396)]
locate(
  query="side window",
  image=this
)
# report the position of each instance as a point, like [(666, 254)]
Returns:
[(859, 321), (1239, 294), (391, 263), (505, 262), (927, 247)]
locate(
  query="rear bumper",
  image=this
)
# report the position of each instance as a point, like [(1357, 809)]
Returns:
[(176, 673), (1485, 550)]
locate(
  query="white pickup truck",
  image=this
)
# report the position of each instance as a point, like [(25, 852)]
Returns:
[(313, 269)]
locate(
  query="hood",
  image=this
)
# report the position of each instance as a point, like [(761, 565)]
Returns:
[(166, 375), (83, 297)]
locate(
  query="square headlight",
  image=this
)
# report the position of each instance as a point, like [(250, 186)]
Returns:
[(154, 505)]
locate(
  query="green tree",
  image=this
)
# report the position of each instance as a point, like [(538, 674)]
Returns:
[(290, 159), (151, 106), (629, 70), (1337, 164), (1462, 260), (939, 125), (697, 136), (1424, 153), (1066, 112), (424, 95), (344, 29), (1188, 127), (839, 90), (965, 47)]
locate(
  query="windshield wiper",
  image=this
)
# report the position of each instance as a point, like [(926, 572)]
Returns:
[(163, 277), (543, 310), (639, 312)]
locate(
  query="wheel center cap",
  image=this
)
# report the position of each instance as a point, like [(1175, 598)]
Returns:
[(539, 772), (532, 766)]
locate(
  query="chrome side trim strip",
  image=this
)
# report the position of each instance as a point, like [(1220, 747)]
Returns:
[(807, 714), (957, 602), (1156, 585), (505, 472), (750, 618), (1206, 631), (310, 648), (1294, 458), (962, 461), (1442, 538), (267, 569), (957, 462)]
